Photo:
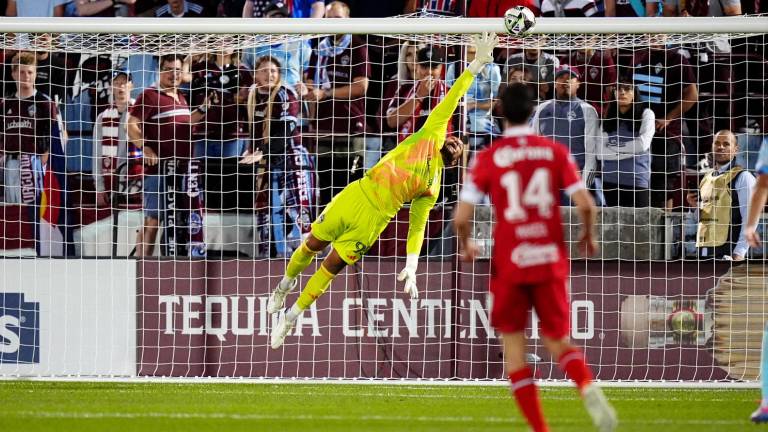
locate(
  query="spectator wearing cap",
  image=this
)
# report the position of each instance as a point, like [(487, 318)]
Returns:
[(479, 99), (337, 81), (571, 122), (293, 56), (114, 157), (35, 8), (409, 109), (180, 9), (219, 89), (625, 149)]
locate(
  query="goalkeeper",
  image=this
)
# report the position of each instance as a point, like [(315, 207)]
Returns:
[(355, 217)]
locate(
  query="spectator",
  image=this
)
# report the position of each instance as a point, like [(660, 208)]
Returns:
[(625, 151), (666, 80), (114, 158), (104, 8), (414, 102), (571, 122), (29, 120), (160, 125), (438, 7), (224, 82), (542, 66), (256, 8), (231, 8), (702, 8), (337, 81), (567, 8), (308, 8), (479, 99), (51, 70), (721, 212), (293, 56), (598, 73), (402, 81), (287, 211), (35, 8), (180, 9), (633, 8)]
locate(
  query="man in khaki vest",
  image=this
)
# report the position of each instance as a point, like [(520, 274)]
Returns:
[(722, 202)]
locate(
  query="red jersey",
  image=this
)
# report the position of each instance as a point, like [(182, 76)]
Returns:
[(165, 124), (523, 175), (225, 119)]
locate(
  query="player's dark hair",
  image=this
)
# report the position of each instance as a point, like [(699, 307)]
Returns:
[(517, 103)]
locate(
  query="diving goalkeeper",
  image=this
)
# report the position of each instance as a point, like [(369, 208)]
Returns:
[(355, 217)]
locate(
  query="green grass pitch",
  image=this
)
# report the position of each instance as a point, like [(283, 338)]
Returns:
[(109, 406)]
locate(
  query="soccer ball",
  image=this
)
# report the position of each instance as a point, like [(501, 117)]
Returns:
[(519, 20)]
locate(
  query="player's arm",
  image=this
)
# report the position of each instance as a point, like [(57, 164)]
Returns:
[(585, 206), (417, 223), (756, 205), (441, 115)]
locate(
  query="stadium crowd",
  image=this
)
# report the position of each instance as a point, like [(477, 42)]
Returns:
[(280, 129)]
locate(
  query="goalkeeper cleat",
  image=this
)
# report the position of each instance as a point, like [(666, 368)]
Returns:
[(277, 299), (602, 413), (760, 415), (281, 330)]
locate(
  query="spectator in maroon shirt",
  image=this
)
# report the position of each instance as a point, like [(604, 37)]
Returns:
[(337, 81), (666, 81), (598, 73), (160, 124), (496, 8), (27, 121), (222, 80)]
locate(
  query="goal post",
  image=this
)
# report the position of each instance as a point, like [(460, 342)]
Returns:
[(76, 301)]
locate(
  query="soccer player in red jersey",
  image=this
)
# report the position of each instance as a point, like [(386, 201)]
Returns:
[(523, 175)]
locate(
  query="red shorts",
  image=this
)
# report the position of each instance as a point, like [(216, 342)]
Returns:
[(511, 304)]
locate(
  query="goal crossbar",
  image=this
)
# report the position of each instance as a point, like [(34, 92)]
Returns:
[(666, 25)]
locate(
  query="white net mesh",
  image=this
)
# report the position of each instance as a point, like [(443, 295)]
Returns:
[(74, 185)]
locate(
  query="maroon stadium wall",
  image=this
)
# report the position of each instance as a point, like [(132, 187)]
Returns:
[(636, 321)]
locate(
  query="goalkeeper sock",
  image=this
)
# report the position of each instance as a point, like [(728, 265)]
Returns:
[(764, 368), (316, 286), (527, 397), (573, 365), (300, 259)]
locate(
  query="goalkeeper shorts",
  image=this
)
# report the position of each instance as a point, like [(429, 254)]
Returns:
[(351, 223)]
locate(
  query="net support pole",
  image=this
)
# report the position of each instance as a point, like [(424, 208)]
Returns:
[(678, 25)]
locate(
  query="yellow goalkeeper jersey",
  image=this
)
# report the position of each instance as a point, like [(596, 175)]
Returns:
[(412, 171)]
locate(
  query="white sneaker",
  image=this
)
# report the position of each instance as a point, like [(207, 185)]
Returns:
[(277, 299), (602, 413), (280, 331)]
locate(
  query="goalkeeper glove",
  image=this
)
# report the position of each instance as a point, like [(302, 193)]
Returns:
[(484, 44), (408, 275)]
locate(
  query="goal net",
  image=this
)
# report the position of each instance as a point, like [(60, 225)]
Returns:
[(157, 176)]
